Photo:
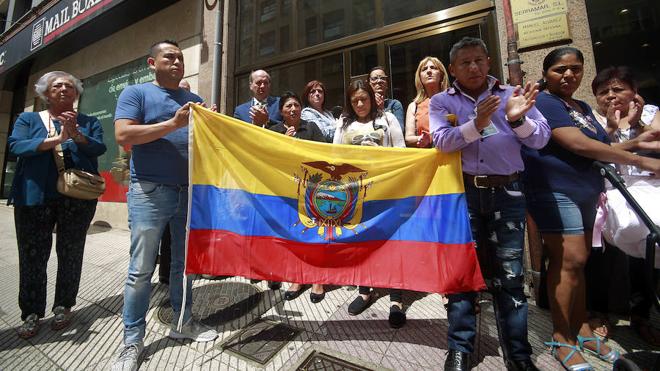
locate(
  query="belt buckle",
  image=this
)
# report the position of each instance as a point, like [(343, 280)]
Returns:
[(476, 178)]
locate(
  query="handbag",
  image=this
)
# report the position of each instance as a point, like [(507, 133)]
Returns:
[(74, 183)]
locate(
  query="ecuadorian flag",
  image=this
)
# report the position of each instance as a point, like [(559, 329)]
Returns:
[(267, 206)]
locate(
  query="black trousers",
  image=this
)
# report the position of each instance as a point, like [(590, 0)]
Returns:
[(165, 255), (395, 294), (34, 234)]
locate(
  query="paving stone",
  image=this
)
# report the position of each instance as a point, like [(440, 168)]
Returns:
[(95, 337)]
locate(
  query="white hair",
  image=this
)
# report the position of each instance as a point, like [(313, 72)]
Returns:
[(43, 84)]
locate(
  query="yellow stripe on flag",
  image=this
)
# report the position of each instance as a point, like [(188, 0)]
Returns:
[(238, 155)]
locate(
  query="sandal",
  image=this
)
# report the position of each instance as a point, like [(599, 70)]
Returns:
[(61, 319), (30, 326), (574, 350), (610, 357)]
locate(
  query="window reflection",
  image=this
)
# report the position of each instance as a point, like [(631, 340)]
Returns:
[(317, 21), (397, 10), (330, 70), (625, 33), (405, 56)]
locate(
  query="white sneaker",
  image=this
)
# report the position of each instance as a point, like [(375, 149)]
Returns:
[(193, 330), (129, 358)]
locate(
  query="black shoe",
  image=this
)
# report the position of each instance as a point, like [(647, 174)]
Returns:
[(457, 361), (358, 305), (397, 317), (253, 281), (274, 285), (316, 298), (164, 280), (290, 295), (524, 365)]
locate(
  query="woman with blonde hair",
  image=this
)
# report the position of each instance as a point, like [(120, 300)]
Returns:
[(430, 79)]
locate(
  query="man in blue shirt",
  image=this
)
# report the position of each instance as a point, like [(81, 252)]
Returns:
[(153, 118), (261, 109), (489, 123)]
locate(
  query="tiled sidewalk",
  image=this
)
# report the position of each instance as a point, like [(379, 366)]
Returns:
[(232, 305)]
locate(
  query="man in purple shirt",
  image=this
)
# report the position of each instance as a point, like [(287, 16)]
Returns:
[(488, 123)]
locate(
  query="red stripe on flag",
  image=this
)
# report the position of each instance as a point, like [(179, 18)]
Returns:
[(418, 266)]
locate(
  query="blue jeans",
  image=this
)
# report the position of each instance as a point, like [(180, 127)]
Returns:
[(151, 207), (497, 219)]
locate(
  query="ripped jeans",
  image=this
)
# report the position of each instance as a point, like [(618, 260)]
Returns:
[(497, 219)]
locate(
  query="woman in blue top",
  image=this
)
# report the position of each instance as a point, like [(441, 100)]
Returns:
[(38, 207), (562, 190)]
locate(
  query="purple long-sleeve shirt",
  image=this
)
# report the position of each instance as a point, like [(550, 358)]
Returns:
[(497, 154)]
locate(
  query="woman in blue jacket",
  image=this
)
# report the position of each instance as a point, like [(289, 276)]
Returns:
[(39, 208)]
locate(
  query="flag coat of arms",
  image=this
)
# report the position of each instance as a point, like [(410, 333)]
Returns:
[(267, 206)]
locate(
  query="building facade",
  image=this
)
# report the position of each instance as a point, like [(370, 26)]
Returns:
[(105, 42)]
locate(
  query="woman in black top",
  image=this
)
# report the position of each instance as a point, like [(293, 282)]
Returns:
[(292, 125)]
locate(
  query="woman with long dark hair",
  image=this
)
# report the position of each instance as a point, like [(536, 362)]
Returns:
[(362, 123)]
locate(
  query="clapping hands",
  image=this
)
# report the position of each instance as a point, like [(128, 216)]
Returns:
[(521, 101)]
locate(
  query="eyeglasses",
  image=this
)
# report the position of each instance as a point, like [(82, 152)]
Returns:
[(378, 78)]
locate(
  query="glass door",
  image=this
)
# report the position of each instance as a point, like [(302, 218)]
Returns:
[(405, 54)]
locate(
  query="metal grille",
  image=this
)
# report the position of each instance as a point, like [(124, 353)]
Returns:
[(217, 303), (261, 341), (318, 361)]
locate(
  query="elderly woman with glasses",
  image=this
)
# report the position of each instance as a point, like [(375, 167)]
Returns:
[(39, 207)]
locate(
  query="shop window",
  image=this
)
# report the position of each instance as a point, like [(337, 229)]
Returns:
[(397, 10), (625, 33), (318, 21), (294, 77)]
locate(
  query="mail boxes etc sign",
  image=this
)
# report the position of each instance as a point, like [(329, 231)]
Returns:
[(56, 21), (540, 22)]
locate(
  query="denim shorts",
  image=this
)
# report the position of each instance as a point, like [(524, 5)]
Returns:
[(555, 212)]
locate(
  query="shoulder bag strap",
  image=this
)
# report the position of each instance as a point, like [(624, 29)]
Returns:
[(58, 154)]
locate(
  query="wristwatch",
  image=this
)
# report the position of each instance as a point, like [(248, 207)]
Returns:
[(517, 123)]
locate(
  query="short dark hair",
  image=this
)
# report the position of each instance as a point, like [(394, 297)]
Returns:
[(466, 42), (553, 57), (622, 73), (155, 47), (308, 88), (286, 96)]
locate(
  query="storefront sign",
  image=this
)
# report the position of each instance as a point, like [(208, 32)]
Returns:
[(526, 10), (543, 31), (56, 21), (540, 21)]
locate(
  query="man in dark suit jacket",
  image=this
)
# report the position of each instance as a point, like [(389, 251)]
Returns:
[(262, 109)]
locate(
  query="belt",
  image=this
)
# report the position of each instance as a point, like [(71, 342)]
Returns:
[(490, 181)]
